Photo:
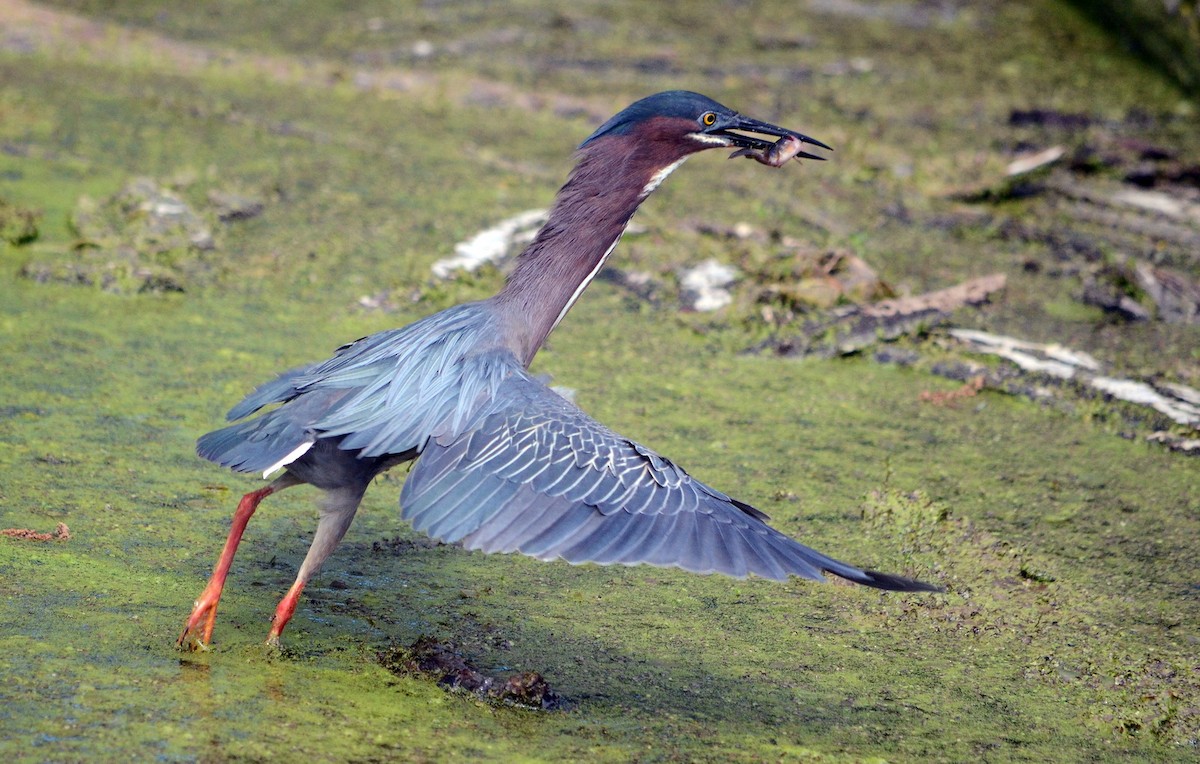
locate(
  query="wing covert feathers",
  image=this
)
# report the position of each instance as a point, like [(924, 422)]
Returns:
[(535, 475)]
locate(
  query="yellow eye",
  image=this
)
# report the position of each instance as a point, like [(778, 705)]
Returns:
[(709, 119)]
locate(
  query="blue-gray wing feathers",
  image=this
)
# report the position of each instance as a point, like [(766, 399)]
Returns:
[(536, 475), (505, 464), (382, 395)]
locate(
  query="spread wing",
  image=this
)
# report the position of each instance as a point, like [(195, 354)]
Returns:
[(534, 474), (384, 394)]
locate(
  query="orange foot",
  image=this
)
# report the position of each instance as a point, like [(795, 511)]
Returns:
[(205, 610), (284, 612), (206, 604)]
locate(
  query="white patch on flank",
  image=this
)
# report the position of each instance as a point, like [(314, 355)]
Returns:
[(583, 284), (657, 178), (710, 140), (295, 454)]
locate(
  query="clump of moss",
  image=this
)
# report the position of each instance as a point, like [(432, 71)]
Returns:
[(913, 518), (18, 225), (144, 238)]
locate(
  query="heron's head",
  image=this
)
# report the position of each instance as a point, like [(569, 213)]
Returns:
[(678, 123)]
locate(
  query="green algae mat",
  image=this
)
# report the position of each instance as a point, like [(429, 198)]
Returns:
[(315, 164)]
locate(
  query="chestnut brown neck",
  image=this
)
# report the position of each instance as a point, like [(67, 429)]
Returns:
[(589, 215)]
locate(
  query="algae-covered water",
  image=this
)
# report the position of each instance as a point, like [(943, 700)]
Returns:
[(372, 138)]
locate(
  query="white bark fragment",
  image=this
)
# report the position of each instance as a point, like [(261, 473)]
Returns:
[(1143, 394), (491, 244), (1055, 356), (1178, 402), (705, 287), (1027, 163)]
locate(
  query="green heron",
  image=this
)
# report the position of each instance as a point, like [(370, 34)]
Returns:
[(503, 463)]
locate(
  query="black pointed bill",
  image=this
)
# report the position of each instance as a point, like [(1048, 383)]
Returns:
[(735, 131)]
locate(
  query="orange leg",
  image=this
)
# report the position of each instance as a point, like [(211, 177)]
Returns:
[(283, 613), (337, 512), (206, 604)]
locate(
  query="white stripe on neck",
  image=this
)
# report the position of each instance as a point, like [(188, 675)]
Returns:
[(655, 181), (583, 284), (710, 140), (657, 178)]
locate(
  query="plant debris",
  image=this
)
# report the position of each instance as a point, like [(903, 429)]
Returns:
[(1122, 214), (144, 238), (802, 279), (61, 533), (851, 329), (401, 545), (643, 285), (1019, 172), (1139, 291), (969, 389), (229, 206), (1035, 362), (444, 662)]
